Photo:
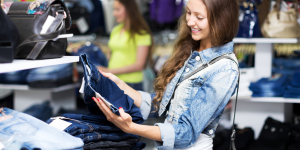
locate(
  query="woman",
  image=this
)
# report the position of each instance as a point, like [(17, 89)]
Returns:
[(130, 42), (206, 31)]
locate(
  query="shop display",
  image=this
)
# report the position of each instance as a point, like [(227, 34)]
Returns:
[(8, 39), (166, 11), (51, 76), (17, 77), (93, 128), (40, 23), (282, 24), (249, 24), (34, 133), (293, 89), (94, 53), (269, 87), (95, 84)]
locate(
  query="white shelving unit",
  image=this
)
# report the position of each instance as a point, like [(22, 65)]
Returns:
[(254, 111), (20, 64), (24, 96)]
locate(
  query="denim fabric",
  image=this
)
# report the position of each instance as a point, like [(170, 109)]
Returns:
[(206, 92), (95, 54), (125, 145), (17, 77), (139, 146), (41, 111), (34, 133), (270, 87), (90, 132), (136, 86), (9, 142), (51, 76), (274, 83), (293, 90), (96, 82)]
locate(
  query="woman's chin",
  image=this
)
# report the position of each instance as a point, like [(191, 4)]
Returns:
[(196, 37)]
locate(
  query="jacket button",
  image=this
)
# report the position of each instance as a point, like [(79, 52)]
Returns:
[(187, 69), (211, 131), (197, 58)]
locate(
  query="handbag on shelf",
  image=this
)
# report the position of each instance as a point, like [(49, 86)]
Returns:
[(282, 24), (40, 23), (249, 24), (8, 39)]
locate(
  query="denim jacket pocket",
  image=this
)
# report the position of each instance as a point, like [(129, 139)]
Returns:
[(17, 126)]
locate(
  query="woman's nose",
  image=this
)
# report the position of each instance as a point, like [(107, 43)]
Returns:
[(191, 21)]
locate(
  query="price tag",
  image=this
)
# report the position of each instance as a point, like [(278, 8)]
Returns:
[(60, 124), (82, 25)]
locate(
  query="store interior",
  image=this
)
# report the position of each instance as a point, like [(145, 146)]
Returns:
[(267, 115)]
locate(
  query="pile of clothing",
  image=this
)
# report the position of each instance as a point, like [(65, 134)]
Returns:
[(293, 89), (270, 87), (94, 129)]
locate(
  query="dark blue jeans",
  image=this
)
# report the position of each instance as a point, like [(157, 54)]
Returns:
[(270, 83), (123, 145), (90, 132), (96, 82), (136, 86)]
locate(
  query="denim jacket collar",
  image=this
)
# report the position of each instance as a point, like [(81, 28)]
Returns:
[(206, 56), (211, 53)]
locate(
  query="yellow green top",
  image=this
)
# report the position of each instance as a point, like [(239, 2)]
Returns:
[(124, 52)]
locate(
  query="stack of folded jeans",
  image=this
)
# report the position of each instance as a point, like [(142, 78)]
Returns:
[(94, 129), (270, 87), (31, 133), (293, 89), (285, 66), (44, 77), (51, 76)]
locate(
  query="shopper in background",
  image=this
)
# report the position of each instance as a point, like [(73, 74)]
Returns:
[(130, 44), (206, 32)]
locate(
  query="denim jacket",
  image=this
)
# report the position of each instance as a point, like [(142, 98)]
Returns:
[(199, 101)]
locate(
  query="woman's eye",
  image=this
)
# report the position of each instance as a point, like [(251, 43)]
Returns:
[(199, 18), (188, 12)]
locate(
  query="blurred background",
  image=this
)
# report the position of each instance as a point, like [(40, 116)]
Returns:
[(267, 47)]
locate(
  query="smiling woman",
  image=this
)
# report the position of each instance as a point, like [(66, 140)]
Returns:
[(193, 107)]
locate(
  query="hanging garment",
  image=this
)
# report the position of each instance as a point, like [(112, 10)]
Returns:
[(165, 11)]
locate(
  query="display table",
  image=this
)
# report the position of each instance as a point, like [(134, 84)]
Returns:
[(24, 96)]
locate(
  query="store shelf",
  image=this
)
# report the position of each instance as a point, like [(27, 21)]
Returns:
[(266, 40), (26, 87), (268, 99), (19, 64)]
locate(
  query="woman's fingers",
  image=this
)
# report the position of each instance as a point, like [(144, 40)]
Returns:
[(102, 107)]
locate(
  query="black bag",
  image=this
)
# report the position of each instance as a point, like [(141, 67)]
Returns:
[(274, 135), (9, 37), (29, 18)]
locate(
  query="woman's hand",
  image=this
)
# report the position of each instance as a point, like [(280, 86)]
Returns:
[(124, 121), (121, 84)]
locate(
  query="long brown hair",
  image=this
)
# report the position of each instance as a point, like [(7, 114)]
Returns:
[(137, 24), (223, 24)]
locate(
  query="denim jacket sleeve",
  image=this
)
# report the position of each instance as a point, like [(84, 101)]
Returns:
[(214, 91), (145, 107)]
